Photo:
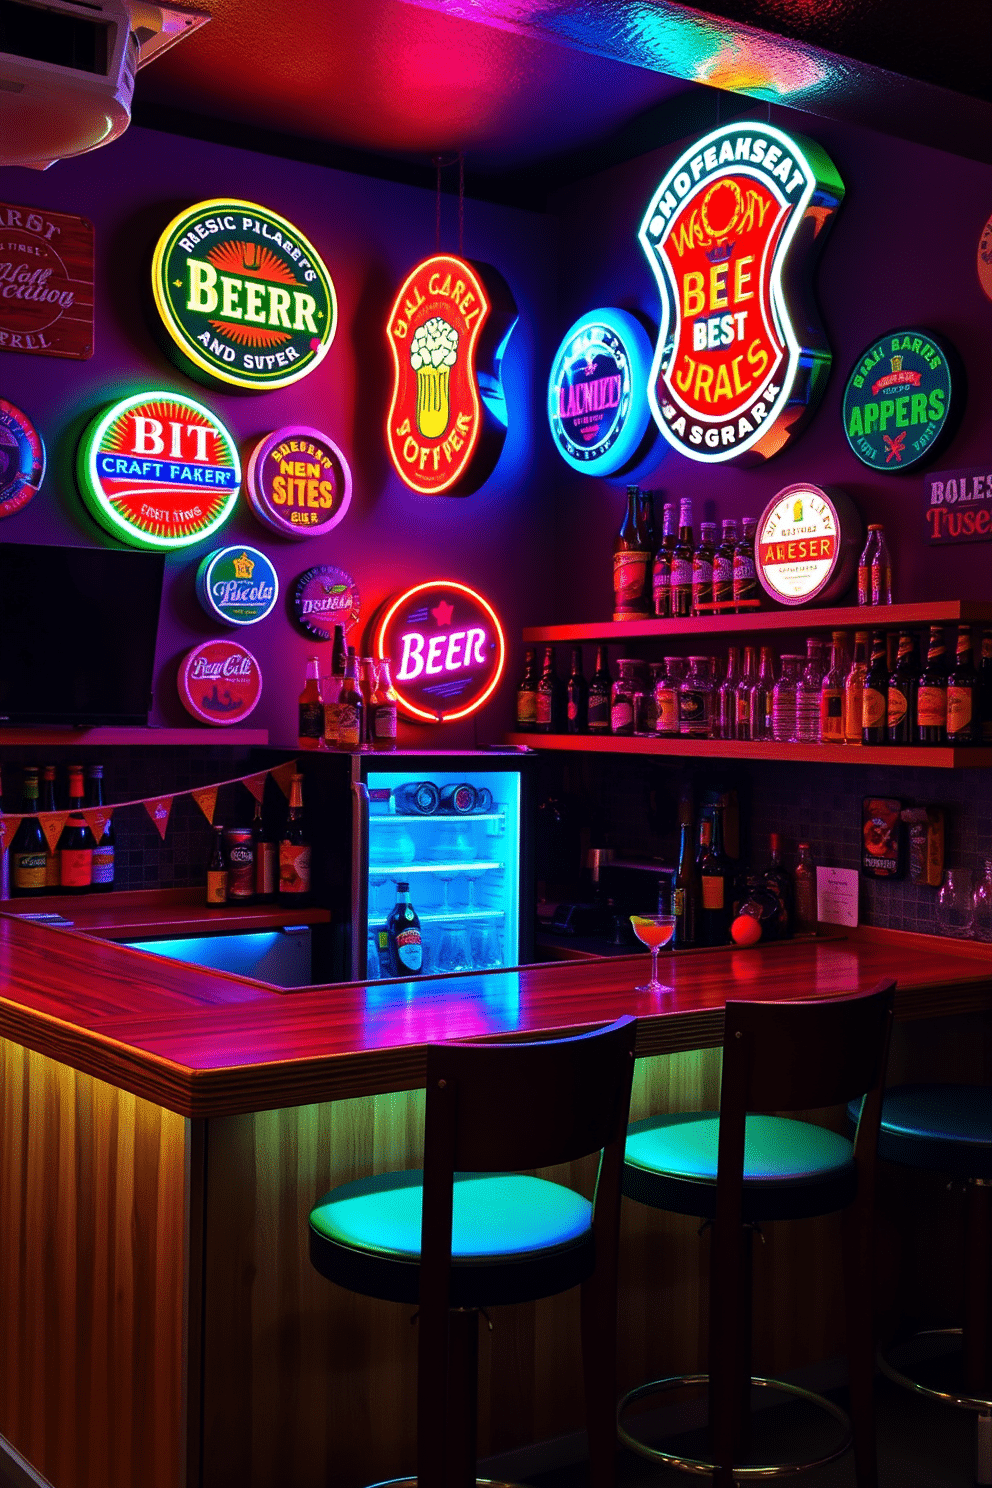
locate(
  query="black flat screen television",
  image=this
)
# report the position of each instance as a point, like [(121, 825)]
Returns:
[(77, 634)]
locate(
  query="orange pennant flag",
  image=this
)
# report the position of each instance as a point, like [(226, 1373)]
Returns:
[(98, 820), (256, 784), (158, 809), (283, 776), (8, 830), (52, 823), (206, 799)]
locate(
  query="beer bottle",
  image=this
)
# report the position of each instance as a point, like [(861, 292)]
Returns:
[(527, 696), (804, 890), (294, 844), (104, 847), (549, 696), (217, 869), (416, 798), (577, 696), (681, 581), (723, 569), (48, 803), (382, 712), (459, 800), (745, 574), (351, 708), (406, 951), (366, 686), (932, 698), (726, 699), (310, 730), (903, 685), (28, 850), (716, 880), (339, 652), (631, 565), (702, 570), (266, 853), (666, 702), (646, 524), (331, 688), (762, 696), (778, 882), (985, 686), (685, 896), (76, 842), (964, 725), (832, 694), (875, 693), (600, 691), (854, 687), (661, 569)]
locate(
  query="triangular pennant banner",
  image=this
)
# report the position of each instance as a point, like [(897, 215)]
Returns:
[(8, 830), (158, 809), (256, 784), (52, 823), (283, 776), (206, 799), (98, 820)]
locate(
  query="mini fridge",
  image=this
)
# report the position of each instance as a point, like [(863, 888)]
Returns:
[(457, 829)]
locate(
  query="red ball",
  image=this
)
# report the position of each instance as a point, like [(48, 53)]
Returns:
[(745, 931)]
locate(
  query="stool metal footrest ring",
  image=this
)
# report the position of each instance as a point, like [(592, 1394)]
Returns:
[(748, 1473), (950, 1397)]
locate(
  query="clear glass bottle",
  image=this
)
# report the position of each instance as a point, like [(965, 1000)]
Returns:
[(784, 699), (875, 569), (725, 720), (696, 700), (666, 701), (762, 696), (981, 901), (808, 690), (854, 687), (743, 723), (955, 913), (622, 697), (832, 694), (649, 712)]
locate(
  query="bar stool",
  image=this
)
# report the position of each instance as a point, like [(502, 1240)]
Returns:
[(948, 1129), (737, 1169), (467, 1232)]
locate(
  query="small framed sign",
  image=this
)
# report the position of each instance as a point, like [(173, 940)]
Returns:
[(46, 282), (807, 545), (22, 459), (958, 505)]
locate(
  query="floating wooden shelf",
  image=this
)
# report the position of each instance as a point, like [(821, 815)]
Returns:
[(105, 737), (141, 914), (848, 617), (818, 754)]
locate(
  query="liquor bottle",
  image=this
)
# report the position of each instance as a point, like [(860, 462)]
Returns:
[(875, 694), (294, 844), (702, 570), (104, 849), (577, 701), (217, 869), (646, 526), (351, 708), (53, 876), (76, 842), (28, 851), (903, 684), (804, 890), (762, 696), (985, 687), (743, 724), (550, 698), (331, 688), (777, 881), (685, 892), (832, 694), (600, 688), (416, 798), (661, 568), (622, 697), (527, 696), (367, 680), (310, 730), (696, 700), (716, 881), (964, 724), (266, 853), (932, 696), (383, 712), (725, 723), (680, 591), (785, 699), (808, 688), (666, 703), (854, 686), (647, 724), (339, 652), (745, 574), (875, 569), (459, 800), (723, 569), (406, 951), (631, 565)]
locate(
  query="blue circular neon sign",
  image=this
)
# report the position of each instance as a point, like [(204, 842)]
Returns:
[(597, 395)]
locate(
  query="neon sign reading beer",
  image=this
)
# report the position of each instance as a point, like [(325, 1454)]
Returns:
[(447, 646)]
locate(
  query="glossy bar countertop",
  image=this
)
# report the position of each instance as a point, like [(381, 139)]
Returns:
[(204, 1043)]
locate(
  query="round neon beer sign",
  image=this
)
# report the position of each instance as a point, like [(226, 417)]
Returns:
[(298, 481), (732, 234), (807, 544), (219, 682), (237, 586), (22, 459), (447, 332), (243, 298), (157, 470), (447, 649), (597, 394), (325, 596), (902, 400)]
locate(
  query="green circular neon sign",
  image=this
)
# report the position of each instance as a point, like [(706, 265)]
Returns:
[(158, 470), (902, 398), (243, 297)]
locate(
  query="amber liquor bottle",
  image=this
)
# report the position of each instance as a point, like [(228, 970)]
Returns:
[(875, 694), (527, 696), (310, 711), (28, 851), (351, 708), (294, 848), (577, 696), (723, 569), (680, 589), (661, 569), (76, 842), (963, 694), (931, 698), (550, 697), (904, 684), (685, 892), (600, 693), (632, 557), (716, 876), (854, 688)]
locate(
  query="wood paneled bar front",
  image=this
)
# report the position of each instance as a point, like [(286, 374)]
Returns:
[(166, 1130)]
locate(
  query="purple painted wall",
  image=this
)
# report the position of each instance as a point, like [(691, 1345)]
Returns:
[(369, 233)]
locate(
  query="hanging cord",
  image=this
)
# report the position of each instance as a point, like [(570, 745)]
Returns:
[(461, 211), (437, 217)]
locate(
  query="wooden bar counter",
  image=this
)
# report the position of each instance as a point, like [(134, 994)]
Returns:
[(166, 1129)]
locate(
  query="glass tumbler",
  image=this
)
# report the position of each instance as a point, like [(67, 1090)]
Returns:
[(981, 901), (955, 910)]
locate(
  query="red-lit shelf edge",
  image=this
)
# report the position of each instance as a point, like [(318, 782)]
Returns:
[(819, 754), (112, 736), (137, 914), (847, 617)]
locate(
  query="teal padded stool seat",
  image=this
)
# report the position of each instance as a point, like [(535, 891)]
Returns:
[(470, 1230), (948, 1129), (743, 1166)]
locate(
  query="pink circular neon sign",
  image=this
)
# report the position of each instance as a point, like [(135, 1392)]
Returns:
[(447, 649)]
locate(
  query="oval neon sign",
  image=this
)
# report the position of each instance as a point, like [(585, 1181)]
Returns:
[(447, 648)]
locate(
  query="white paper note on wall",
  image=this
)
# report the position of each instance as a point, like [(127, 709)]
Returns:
[(837, 896)]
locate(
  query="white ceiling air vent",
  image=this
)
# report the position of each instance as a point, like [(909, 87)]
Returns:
[(67, 71)]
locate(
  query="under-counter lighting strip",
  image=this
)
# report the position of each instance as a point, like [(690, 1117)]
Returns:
[(392, 870), (468, 816)]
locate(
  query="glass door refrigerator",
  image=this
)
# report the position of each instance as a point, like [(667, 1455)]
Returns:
[(456, 829)]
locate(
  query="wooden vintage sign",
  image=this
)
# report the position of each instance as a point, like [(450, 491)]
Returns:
[(958, 505), (46, 282)]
